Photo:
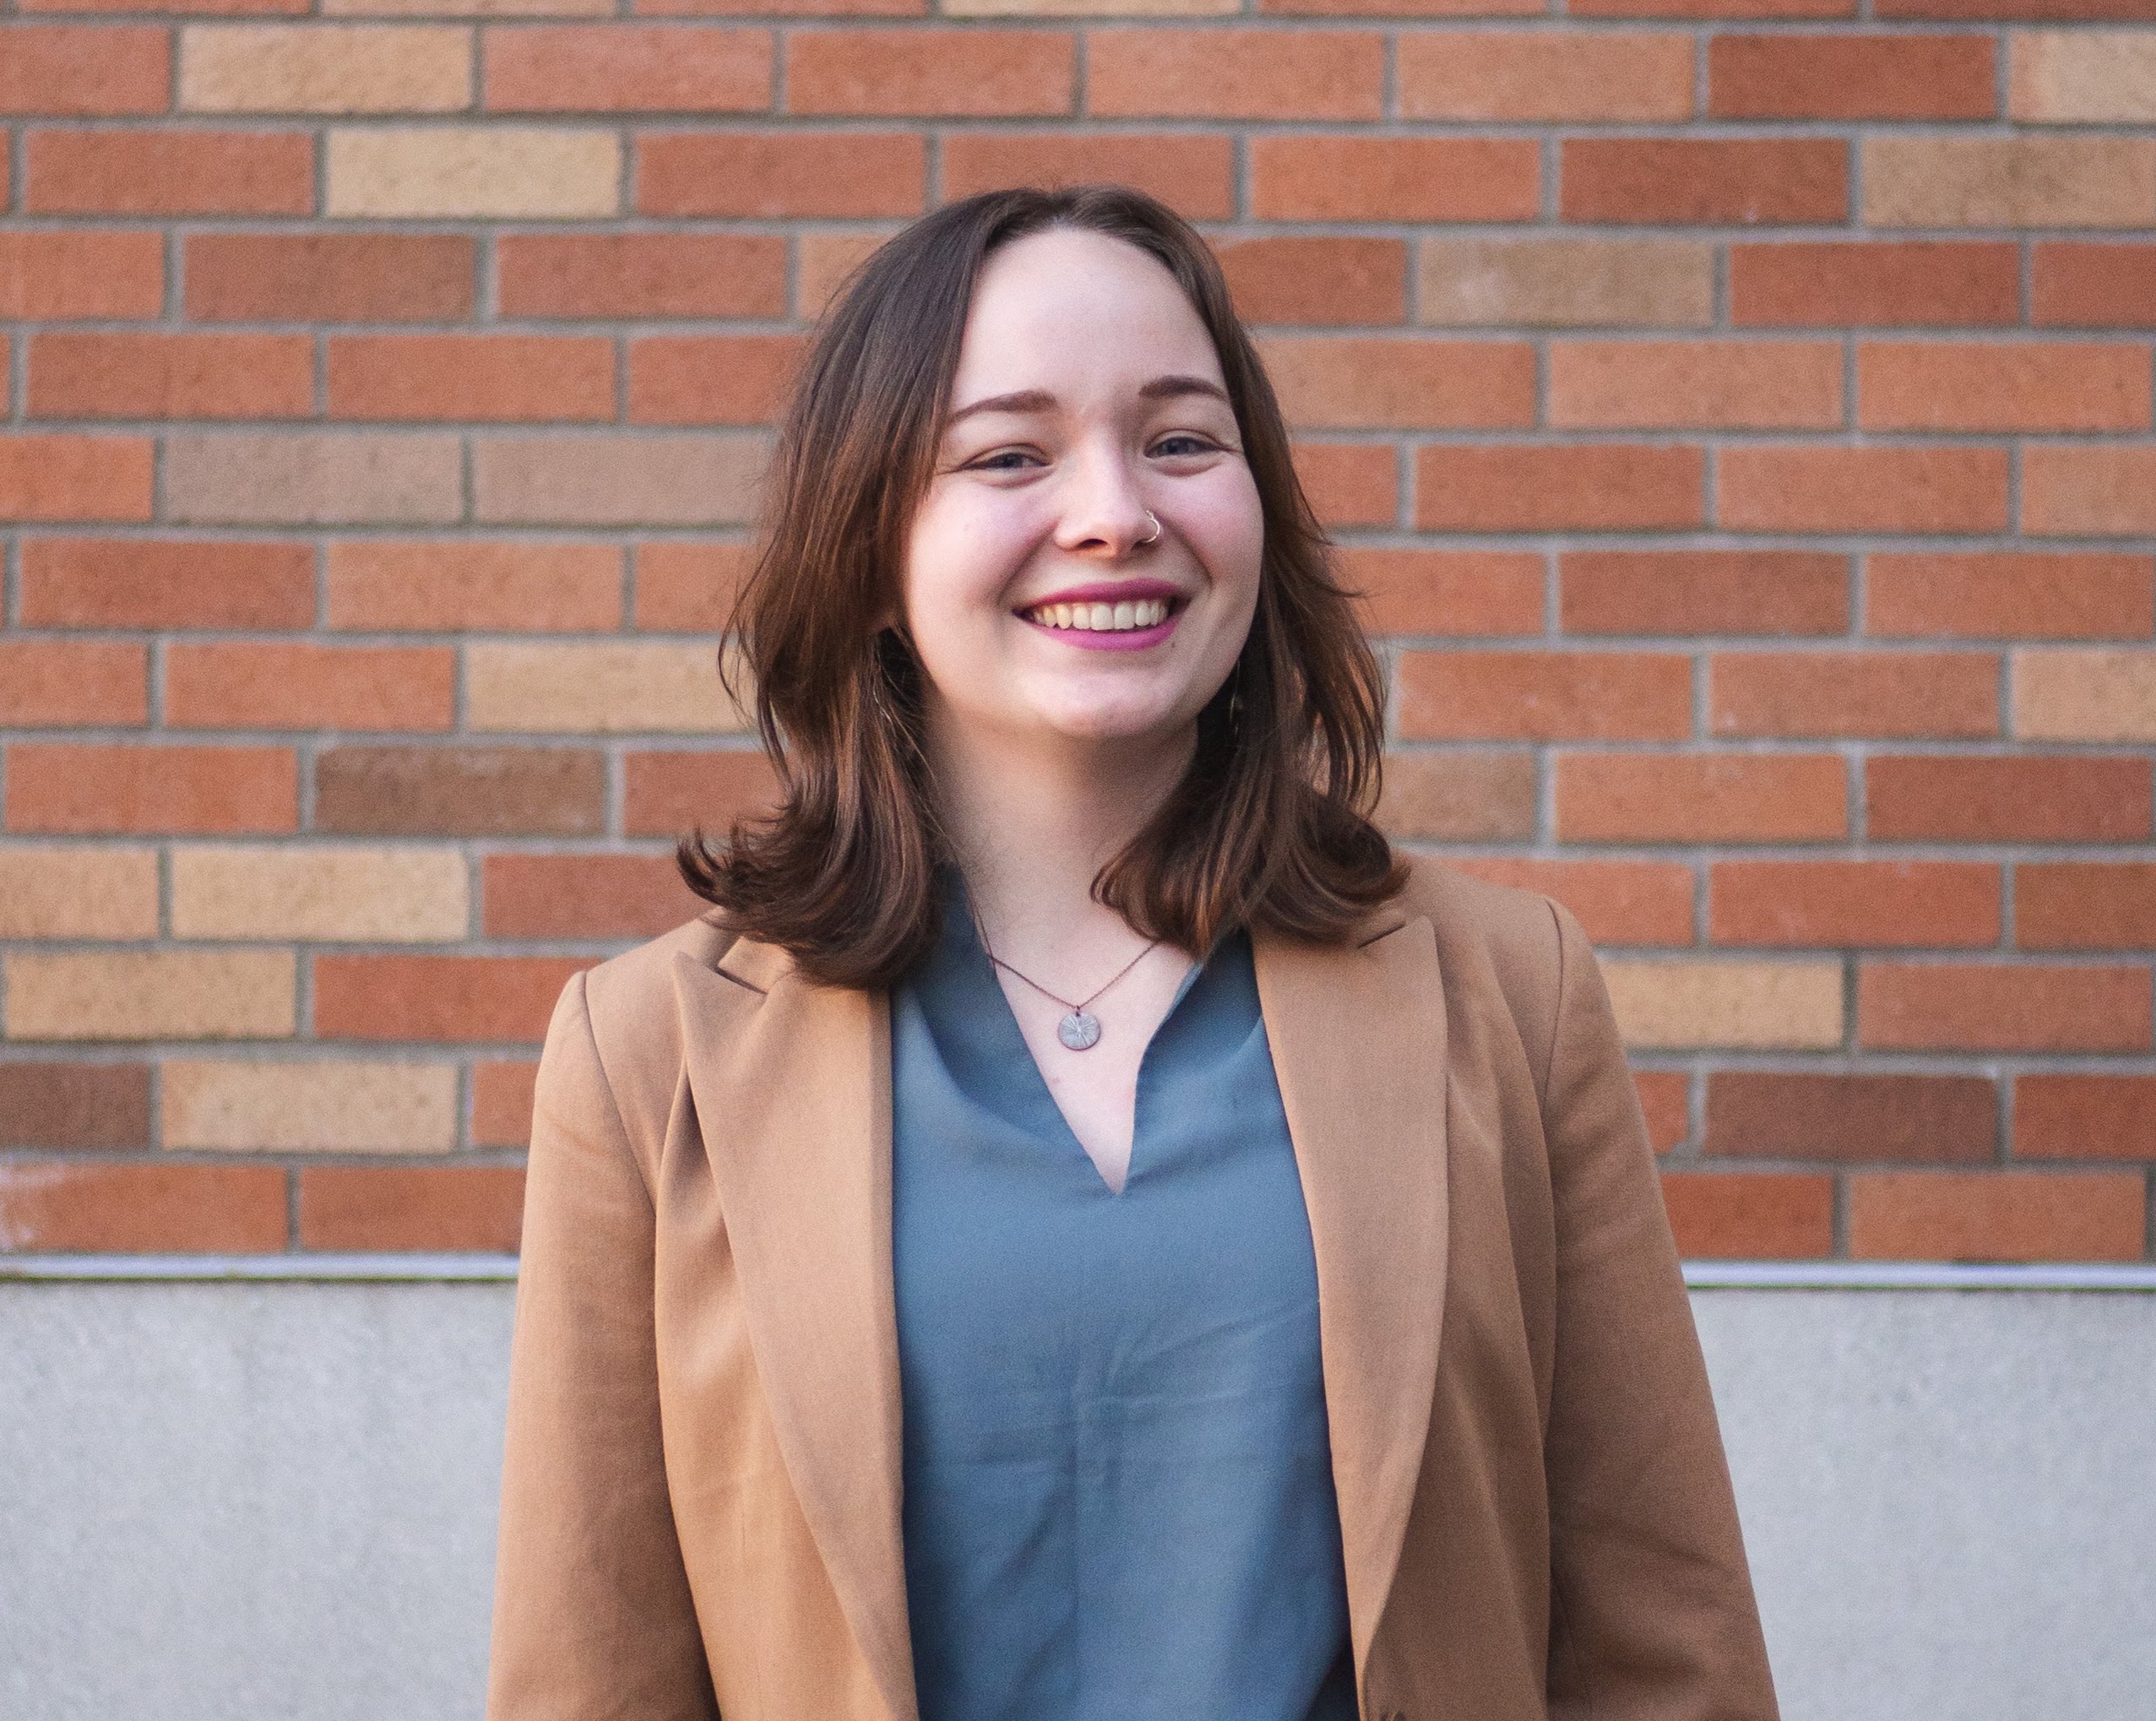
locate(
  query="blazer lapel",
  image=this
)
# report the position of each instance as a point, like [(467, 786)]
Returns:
[(1358, 1038), (792, 1089)]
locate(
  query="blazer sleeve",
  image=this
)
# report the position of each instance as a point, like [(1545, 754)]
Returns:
[(1653, 1617), (593, 1617)]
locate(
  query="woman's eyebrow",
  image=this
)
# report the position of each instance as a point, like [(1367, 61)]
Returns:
[(1040, 400)]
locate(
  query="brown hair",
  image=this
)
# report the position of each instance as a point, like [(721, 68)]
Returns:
[(1270, 824)]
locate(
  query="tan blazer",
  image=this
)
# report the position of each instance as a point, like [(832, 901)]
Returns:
[(700, 1513)]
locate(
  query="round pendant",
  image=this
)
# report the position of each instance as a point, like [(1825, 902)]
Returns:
[(1078, 1030)]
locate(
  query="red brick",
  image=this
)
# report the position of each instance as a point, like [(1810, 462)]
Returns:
[(501, 1103), (1715, 181), (934, 72), (668, 794), (1603, 486), (2094, 489), (171, 376), (192, 8), (711, 378), (1545, 696), (2077, 284), (2084, 1117), (1613, 797), (2085, 905), (329, 277), (1824, 694), (74, 1105), (1460, 592), (1794, 488), (2026, 798), (1527, 75), (1853, 902), (1749, 1215), (1194, 175), (626, 68), (780, 8), (1784, 1115), (1867, 283), (1290, 279), (1996, 1216), (2010, 594), (72, 684), (1331, 178), (1849, 76), (478, 378), (641, 274), (583, 897), (141, 583), (2003, 1007), (2050, 11), (1350, 484), (1364, 10), (47, 277), (1703, 591), (247, 685), (83, 70), (1686, 384), (688, 587), (448, 584), (53, 1206), (1207, 73), (169, 173), (57, 787), (460, 791), (1637, 903), (462, 999), (64, 477), (2002, 386), (760, 175), (1354, 382), (1748, 9), (437, 1209)]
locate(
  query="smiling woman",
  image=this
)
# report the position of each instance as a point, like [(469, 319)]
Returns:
[(1082, 1231)]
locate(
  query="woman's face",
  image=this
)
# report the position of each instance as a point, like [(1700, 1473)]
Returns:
[(1088, 403)]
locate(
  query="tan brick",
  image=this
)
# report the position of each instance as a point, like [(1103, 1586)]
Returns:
[(1703, 1001), (1683, 384), (2064, 694), (1654, 282), (2083, 76), (149, 995), (337, 68), (472, 172), (611, 689), (467, 9), (78, 890), (325, 895), (332, 1105), (1091, 9), (2098, 490), (444, 584), (313, 478), (2013, 182), (618, 480)]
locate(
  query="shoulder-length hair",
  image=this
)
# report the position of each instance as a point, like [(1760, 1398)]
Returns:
[(1270, 825)]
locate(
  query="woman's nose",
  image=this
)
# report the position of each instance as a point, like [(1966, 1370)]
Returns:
[(1102, 510)]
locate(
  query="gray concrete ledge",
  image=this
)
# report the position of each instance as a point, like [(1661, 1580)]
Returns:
[(234, 1500)]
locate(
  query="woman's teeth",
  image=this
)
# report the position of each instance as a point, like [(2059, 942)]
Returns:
[(1102, 618)]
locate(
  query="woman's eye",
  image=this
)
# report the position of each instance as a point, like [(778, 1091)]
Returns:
[(1184, 443), (1003, 460)]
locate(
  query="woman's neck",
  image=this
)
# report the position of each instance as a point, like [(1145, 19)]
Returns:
[(1032, 826)]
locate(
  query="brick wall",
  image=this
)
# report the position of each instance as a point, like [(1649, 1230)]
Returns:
[(1739, 411)]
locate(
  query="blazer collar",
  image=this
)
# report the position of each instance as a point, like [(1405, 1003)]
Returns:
[(791, 1083)]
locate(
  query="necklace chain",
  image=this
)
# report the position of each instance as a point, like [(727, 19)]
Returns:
[(1079, 1008)]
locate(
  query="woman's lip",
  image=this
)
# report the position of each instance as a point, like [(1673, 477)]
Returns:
[(1111, 639), (1106, 591)]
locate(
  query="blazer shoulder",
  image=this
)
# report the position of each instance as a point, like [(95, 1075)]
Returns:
[(636, 1019), (1510, 936)]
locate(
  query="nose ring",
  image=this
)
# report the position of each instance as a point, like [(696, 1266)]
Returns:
[(1155, 538)]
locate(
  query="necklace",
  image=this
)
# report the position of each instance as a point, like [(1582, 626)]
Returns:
[(1080, 1029)]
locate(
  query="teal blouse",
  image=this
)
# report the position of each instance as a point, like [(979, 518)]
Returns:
[(1118, 1488)]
